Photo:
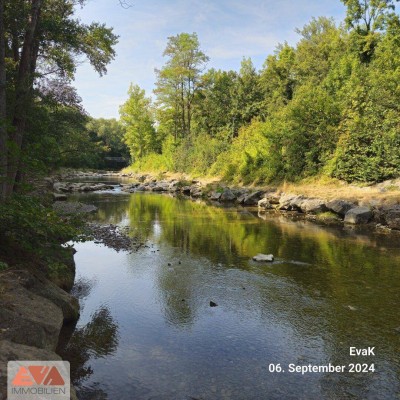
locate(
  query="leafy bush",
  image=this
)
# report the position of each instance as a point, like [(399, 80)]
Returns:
[(27, 224)]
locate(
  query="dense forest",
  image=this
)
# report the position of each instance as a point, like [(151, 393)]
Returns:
[(328, 106)]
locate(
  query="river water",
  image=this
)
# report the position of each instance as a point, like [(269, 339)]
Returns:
[(147, 330)]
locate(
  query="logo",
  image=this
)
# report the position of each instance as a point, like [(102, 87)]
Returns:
[(34, 380)]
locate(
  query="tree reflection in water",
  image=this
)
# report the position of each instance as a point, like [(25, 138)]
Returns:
[(97, 339)]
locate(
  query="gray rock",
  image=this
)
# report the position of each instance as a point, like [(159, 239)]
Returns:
[(390, 216), (242, 196), (263, 257), (41, 286), (27, 318), (290, 202), (358, 215), (215, 196), (253, 198), (60, 187), (227, 195), (273, 197), (313, 206), (195, 191), (339, 207), (264, 203)]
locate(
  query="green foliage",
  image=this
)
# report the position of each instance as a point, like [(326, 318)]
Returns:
[(3, 266), (178, 82), (137, 118), (328, 106), (30, 226)]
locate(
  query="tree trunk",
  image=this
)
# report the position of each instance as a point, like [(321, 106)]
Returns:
[(23, 93), (3, 110)]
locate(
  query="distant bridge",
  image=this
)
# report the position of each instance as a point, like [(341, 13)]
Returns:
[(121, 160)]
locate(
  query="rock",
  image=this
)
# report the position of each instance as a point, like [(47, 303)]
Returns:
[(264, 203), (339, 207), (173, 186), (212, 304), (41, 286), (391, 216), (227, 195), (59, 197), (290, 202), (69, 208), (215, 196), (313, 206), (358, 215), (263, 257), (195, 191), (60, 187), (273, 198), (253, 198), (27, 318)]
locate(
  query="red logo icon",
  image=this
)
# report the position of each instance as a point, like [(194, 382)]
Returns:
[(39, 375)]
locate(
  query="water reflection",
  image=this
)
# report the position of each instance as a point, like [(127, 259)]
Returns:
[(330, 288), (97, 339)]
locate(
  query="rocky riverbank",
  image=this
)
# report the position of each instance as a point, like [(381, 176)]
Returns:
[(32, 312), (326, 210)]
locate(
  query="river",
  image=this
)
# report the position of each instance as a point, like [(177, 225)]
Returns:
[(147, 330)]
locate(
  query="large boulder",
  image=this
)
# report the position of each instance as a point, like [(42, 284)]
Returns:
[(27, 318), (41, 286), (358, 215), (313, 206), (390, 216), (339, 207), (290, 202), (253, 198), (215, 196), (227, 195)]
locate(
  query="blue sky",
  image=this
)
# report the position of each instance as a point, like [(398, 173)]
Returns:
[(228, 30)]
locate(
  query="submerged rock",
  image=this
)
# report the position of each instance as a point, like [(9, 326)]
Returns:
[(212, 304), (263, 257)]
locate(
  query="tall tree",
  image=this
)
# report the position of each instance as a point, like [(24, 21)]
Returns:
[(137, 117), (178, 80), (366, 18), (44, 40)]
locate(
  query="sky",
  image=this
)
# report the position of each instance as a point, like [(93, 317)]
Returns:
[(228, 30)]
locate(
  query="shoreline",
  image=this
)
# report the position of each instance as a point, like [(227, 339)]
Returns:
[(377, 207)]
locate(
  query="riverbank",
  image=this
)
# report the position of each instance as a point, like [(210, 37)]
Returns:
[(377, 206)]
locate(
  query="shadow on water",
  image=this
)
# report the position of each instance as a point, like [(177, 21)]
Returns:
[(330, 288)]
